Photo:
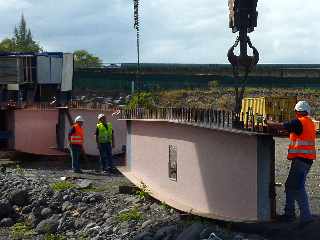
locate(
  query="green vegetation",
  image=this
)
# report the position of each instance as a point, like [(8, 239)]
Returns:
[(54, 237), (132, 214), (84, 59), (82, 236), (214, 84), (164, 206), (62, 185), (143, 192), (21, 231), (20, 170), (142, 100), (22, 40)]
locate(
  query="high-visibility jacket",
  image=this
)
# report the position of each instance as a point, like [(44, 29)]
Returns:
[(77, 137), (303, 145), (105, 133)]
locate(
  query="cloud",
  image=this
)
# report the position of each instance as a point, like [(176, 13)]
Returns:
[(184, 31)]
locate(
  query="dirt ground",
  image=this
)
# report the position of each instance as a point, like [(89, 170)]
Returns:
[(282, 169)]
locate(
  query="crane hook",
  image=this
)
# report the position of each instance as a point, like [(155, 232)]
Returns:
[(246, 61)]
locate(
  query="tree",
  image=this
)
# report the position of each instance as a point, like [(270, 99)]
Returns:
[(22, 40), (7, 45), (83, 59), (144, 100)]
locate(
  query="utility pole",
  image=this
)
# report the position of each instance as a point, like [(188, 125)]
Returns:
[(135, 82), (242, 19)]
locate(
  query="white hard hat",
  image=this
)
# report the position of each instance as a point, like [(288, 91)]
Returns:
[(78, 119), (302, 106), (101, 115)]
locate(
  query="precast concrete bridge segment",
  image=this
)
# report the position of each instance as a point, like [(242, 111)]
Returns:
[(207, 169)]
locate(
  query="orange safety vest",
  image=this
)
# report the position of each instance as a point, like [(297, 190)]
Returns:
[(78, 136), (303, 146)]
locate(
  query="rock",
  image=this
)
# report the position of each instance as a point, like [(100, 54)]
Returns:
[(154, 207), (5, 209), (92, 229), (37, 211), (33, 220), (6, 222), (238, 237), (27, 209), (192, 232), (132, 199), (83, 183), (66, 224), (124, 210), (65, 198), (79, 223), (214, 236), (106, 215), (166, 232), (46, 212), (146, 223), (144, 236), (55, 206), (90, 225), (77, 199), (66, 206), (49, 225), (19, 197)]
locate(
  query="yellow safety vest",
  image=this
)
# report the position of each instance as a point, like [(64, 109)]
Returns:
[(105, 134)]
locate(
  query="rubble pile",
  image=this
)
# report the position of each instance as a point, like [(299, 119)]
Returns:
[(39, 205)]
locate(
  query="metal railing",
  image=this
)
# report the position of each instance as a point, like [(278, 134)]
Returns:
[(212, 118)]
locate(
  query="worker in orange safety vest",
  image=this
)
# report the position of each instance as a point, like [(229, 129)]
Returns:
[(76, 140), (301, 153)]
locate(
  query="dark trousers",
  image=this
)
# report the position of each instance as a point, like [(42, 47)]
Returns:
[(106, 159), (295, 189), (75, 156)]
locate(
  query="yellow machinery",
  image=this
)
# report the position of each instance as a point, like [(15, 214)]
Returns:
[(258, 109)]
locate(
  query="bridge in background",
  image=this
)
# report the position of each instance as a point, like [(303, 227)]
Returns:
[(157, 76)]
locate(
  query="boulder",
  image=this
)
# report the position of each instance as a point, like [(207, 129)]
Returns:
[(48, 226), (19, 197)]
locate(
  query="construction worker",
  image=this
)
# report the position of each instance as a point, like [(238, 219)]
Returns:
[(301, 153), (105, 142), (76, 140)]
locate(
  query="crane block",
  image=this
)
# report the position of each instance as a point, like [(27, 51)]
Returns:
[(243, 15)]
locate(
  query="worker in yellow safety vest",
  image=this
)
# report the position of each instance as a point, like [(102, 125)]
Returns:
[(76, 140), (105, 143), (301, 153)]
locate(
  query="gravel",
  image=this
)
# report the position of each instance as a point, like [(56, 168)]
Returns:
[(92, 208)]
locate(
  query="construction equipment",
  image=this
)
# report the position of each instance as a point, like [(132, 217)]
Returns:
[(257, 111), (277, 109), (242, 19)]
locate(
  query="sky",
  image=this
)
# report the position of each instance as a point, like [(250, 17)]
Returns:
[(172, 31)]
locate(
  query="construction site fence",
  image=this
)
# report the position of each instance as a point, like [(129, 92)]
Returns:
[(46, 105), (202, 117)]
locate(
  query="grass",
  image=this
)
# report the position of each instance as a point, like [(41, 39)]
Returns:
[(164, 206), (143, 193), (21, 231), (132, 214), (62, 185), (20, 170)]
